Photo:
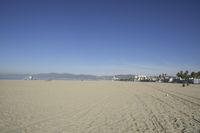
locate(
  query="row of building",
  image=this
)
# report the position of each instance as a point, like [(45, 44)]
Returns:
[(164, 78)]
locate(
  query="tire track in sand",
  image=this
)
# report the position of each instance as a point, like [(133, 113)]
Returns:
[(82, 110), (184, 119), (157, 126), (152, 121), (195, 107), (187, 120), (175, 95)]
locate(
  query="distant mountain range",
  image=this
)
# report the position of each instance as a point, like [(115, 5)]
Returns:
[(60, 76)]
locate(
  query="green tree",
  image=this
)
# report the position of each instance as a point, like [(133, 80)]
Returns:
[(178, 74), (193, 75), (184, 76), (198, 74)]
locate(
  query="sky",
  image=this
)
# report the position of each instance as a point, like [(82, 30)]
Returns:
[(99, 37)]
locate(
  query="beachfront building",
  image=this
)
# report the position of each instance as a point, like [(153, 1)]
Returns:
[(171, 80), (140, 77), (115, 78), (196, 81), (29, 78), (175, 80), (153, 78)]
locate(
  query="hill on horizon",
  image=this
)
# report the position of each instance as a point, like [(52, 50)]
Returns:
[(61, 76)]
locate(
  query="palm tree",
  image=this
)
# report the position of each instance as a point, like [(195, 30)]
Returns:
[(183, 76), (178, 74), (198, 74), (186, 73), (193, 75), (186, 77), (160, 77)]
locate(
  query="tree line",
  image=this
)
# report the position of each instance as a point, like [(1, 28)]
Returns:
[(186, 76)]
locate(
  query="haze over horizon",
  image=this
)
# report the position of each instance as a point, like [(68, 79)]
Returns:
[(99, 37)]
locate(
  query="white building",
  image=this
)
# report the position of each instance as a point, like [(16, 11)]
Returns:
[(171, 80), (141, 77), (29, 78), (196, 81), (115, 78)]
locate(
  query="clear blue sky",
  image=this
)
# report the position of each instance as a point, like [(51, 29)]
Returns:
[(99, 37)]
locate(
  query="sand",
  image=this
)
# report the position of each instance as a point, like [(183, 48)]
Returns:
[(98, 107)]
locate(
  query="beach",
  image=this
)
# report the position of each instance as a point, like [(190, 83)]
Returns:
[(61, 106)]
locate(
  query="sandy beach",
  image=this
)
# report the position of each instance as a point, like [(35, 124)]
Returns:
[(98, 107)]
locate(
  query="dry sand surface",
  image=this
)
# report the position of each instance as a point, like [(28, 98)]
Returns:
[(98, 107)]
